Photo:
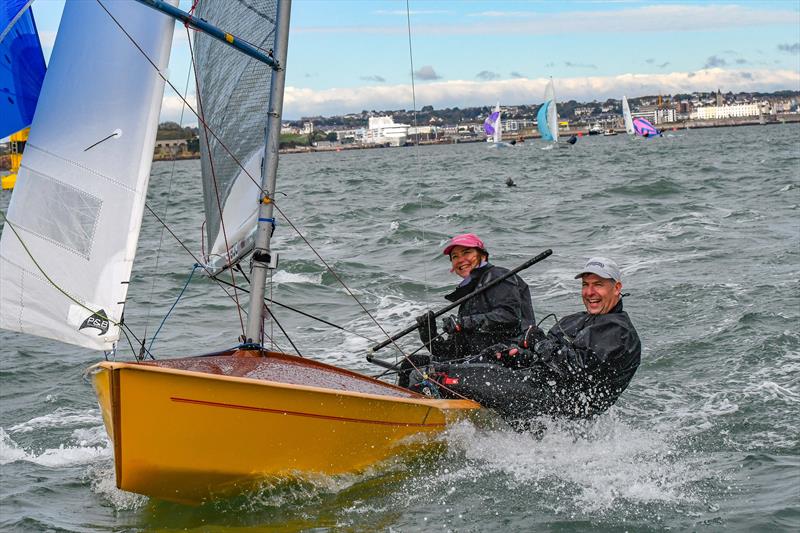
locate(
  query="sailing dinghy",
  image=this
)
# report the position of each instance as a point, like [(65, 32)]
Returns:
[(493, 127), (547, 119), (184, 429)]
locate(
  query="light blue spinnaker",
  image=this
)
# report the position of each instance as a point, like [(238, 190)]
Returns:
[(23, 66), (541, 121)]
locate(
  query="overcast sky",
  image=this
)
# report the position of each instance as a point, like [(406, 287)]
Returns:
[(346, 56)]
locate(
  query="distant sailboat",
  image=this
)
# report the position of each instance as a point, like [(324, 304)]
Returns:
[(626, 115), (547, 117), (644, 128), (637, 126), (493, 127), (20, 79)]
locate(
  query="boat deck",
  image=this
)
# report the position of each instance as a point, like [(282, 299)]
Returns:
[(283, 368)]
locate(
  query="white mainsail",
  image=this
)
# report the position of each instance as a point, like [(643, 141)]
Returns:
[(78, 202), (552, 112), (234, 93), (626, 115)]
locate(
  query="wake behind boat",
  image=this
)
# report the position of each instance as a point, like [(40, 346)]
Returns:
[(187, 428)]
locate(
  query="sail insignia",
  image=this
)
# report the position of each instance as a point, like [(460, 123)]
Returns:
[(98, 320)]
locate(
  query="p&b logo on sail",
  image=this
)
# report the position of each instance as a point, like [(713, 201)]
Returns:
[(99, 321)]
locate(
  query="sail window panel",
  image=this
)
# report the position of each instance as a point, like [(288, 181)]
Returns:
[(58, 212)]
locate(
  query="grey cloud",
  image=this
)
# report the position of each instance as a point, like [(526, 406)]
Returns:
[(427, 73), (715, 61), (741, 61), (746, 75), (790, 48), (650, 61), (578, 65), (664, 64), (486, 75), (517, 75), (374, 77)]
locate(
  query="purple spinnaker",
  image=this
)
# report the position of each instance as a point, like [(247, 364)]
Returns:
[(644, 128), (488, 125)]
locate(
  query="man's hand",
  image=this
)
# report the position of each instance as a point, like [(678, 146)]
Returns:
[(451, 325), (510, 356)]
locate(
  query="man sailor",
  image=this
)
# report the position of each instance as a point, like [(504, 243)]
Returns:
[(577, 370)]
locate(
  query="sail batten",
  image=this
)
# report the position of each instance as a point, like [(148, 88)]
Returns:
[(233, 91), (78, 202)]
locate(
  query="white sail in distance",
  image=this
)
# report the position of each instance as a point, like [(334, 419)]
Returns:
[(498, 128), (552, 112), (233, 91), (73, 223), (626, 115)]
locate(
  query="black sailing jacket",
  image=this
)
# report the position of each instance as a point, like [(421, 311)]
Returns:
[(590, 361), (498, 315), (594, 359)]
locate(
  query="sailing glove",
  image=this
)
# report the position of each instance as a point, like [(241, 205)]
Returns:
[(427, 327), (516, 357)]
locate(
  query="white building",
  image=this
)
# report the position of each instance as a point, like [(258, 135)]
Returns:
[(728, 111), (308, 128), (383, 130)]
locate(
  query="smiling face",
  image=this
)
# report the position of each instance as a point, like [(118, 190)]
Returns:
[(600, 295), (464, 260)]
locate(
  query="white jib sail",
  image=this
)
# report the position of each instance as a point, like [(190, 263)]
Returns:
[(626, 115), (498, 132), (77, 206), (552, 112)]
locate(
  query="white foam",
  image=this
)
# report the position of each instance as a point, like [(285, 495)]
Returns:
[(61, 417), (606, 460), (282, 276), (772, 391), (102, 481), (64, 455)]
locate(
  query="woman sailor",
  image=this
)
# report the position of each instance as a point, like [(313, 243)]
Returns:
[(498, 314)]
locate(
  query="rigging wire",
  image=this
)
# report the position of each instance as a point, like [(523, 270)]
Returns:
[(120, 324), (416, 159), (161, 233), (213, 174)]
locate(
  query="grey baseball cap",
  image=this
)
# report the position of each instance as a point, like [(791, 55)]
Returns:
[(603, 267)]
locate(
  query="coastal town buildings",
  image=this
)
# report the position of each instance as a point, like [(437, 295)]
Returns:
[(384, 131)]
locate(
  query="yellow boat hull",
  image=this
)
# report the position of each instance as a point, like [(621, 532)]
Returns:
[(215, 429)]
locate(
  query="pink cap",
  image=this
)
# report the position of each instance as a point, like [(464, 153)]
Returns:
[(467, 240)]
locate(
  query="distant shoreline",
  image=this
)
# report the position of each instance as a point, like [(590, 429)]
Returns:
[(527, 135)]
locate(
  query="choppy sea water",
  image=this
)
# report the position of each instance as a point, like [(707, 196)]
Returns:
[(705, 225)]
